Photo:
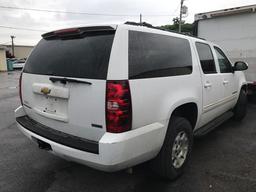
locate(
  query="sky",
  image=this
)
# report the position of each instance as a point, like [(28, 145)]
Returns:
[(158, 13)]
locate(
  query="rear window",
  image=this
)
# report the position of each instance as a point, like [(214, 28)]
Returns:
[(153, 55), (86, 57)]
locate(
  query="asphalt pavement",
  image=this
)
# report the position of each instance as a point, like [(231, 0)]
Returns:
[(223, 160)]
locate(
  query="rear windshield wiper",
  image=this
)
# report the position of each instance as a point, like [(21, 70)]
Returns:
[(64, 80)]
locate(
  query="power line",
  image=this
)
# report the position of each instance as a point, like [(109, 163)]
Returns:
[(5, 43), (21, 28), (83, 13)]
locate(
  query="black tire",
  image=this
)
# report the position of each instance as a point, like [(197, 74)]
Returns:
[(240, 109), (163, 163)]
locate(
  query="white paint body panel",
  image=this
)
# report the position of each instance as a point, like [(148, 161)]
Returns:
[(70, 108), (116, 151), (153, 102)]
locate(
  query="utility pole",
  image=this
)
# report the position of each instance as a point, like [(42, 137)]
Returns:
[(12, 37), (181, 6), (140, 19)]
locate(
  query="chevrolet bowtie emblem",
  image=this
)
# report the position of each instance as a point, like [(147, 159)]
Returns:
[(45, 90)]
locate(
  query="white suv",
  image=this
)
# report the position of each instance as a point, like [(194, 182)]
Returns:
[(114, 96)]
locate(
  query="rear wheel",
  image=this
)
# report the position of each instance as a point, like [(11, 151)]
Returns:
[(240, 109), (176, 149)]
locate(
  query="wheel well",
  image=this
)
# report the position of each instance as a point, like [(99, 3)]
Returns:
[(244, 87), (189, 111)]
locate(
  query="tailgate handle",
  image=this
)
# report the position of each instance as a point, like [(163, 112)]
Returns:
[(65, 80)]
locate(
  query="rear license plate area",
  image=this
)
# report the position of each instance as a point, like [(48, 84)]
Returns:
[(52, 107)]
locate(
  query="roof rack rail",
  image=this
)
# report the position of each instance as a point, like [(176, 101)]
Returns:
[(145, 24)]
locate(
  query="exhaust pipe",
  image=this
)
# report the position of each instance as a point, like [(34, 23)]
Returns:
[(43, 145)]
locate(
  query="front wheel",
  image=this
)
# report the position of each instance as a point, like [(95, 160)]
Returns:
[(176, 149), (240, 109)]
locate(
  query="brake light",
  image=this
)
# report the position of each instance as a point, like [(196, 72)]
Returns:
[(20, 83), (118, 106), (67, 31)]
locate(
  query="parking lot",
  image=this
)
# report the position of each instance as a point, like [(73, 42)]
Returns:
[(224, 160)]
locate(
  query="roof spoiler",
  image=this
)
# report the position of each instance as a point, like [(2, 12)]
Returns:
[(75, 32)]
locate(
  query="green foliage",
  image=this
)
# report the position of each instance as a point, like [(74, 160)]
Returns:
[(176, 21), (185, 28)]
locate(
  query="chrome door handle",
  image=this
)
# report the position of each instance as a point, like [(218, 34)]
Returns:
[(207, 85), (225, 82)]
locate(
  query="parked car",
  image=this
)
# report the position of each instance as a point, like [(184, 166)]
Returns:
[(115, 96), (18, 64)]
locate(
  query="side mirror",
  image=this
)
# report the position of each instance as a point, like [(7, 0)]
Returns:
[(240, 66)]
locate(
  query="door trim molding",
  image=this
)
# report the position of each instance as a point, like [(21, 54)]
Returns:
[(212, 106)]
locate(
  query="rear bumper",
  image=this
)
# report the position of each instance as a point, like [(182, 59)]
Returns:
[(57, 136), (115, 151)]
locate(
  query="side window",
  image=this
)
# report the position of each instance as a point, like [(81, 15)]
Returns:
[(206, 58), (154, 55), (225, 65)]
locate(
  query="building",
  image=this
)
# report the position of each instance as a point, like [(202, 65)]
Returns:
[(234, 30), (20, 51), (3, 66)]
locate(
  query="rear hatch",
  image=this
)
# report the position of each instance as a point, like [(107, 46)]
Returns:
[(64, 81)]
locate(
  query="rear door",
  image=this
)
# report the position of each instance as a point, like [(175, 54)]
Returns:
[(64, 81)]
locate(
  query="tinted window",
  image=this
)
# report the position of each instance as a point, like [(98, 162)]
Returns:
[(225, 65), (85, 57), (206, 58), (154, 55)]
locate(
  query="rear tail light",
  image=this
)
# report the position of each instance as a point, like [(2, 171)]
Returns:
[(20, 84), (118, 106)]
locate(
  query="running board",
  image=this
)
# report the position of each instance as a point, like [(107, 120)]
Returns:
[(213, 124)]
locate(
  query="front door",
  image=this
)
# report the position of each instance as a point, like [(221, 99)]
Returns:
[(228, 79)]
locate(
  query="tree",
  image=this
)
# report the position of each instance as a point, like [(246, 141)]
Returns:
[(176, 21), (186, 27)]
